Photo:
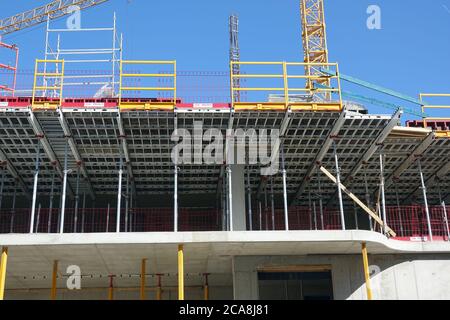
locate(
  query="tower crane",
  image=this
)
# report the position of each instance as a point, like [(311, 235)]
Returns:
[(52, 10), (314, 40)]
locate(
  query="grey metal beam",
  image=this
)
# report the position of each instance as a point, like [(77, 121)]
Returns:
[(75, 152), (439, 175), (419, 151), (276, 149), (372, 149), (39, 132), (320, 155), (12, 170), (126, 153)]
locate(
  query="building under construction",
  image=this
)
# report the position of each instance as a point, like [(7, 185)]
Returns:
[(357, 209)]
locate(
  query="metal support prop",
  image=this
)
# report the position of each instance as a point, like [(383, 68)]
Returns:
[(37, 218), (249, 200), (3, 263), (338, 184), (355, 212), (180, 272), (35, 185), (2, 184), (224, 205), (427, 209), (63, 198), (366, 271), (127, 199), (83, 213), (447, 228), (320, 200), (260, 214), (175, 199), (54, 280), (272, 202), (399, 209), (119, 193), (266, 208), (368, 198), (285, 197), (143, 268), (206, 288), (111, 288), (230, 200), (107, 218), (77, 200), (50, 212), (13, 210), (383, 195), (159, 287)]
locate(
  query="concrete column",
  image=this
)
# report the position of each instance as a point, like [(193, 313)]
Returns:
[(238, 187)]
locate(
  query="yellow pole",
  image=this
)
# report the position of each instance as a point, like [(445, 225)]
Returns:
[(206, 288), (180, 273), (159, 288), (54, 278), (366, 271), (143, 267), (3, 262), (111, 288)]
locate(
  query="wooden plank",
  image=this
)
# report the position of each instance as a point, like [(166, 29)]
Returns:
[(358, 202)]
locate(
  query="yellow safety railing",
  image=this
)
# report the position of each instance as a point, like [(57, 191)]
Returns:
[(287, 91), (44, 101), (426, 106), (128, 104)]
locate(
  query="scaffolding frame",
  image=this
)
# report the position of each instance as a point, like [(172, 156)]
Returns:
[(5, 88), (87, 56)]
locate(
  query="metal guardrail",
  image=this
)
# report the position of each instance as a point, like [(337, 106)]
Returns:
[(164, 104), (319, 98), (56, 85)]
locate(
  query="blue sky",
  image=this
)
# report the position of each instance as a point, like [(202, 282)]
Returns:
[(410, 54)]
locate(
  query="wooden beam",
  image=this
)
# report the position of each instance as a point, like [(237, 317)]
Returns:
[(358, 202)]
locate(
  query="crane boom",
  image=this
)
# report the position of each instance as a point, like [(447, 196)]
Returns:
[(314, 38), (52, 10)]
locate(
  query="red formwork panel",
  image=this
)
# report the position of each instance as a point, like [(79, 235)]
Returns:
[(439, 125), (14, 102)]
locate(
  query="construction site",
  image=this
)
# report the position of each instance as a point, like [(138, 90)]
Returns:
[(356, 208)]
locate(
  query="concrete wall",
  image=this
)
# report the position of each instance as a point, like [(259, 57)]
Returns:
[(404, 277)]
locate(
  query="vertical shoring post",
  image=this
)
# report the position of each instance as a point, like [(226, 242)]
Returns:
[(315, 215), (206, 287), (175, 185), (444, 210), (355, 212), (159, 287), (35, 184), (37, 218), (266, 208), (366, 271), (224, 204), (119, 192), (54, 280), (77, 200), (63, 197), (260, 214), (3, 264), (180, 272), (309, 208), (398, 208), (366, 184), (383, 195), (127, 197), (230, 199), (143, 275), (285, 199), (249, 199), (13, 210), (111, 288), (2, 184), (83, 212), (272, 200), (338, 184), (424, 190), (50, 207), (107, 218), (322, 224)]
